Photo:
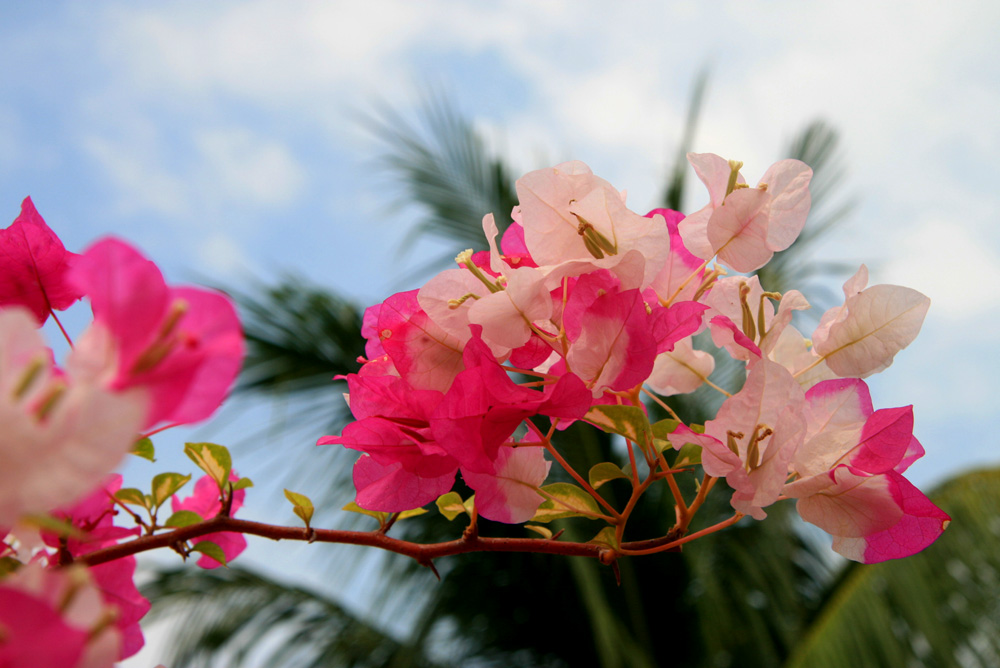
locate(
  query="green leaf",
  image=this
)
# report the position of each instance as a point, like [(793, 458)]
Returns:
[(661, 433), (242, 483), (378, 515), (133, 496), (166, 485), (211, 549), (565, 500), (689, 455), (213, 459), (144, 448), (603, 472), (57, 526), (183, 518), (627, 421), (605, 536), (929, 609), (450, 505), (8, 565), (411, 513), (537, 528), (302, 505)]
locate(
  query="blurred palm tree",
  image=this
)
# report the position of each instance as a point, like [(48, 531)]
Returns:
[(759, 594)]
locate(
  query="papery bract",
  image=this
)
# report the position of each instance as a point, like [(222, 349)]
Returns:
[(94, 516), (391, 488), (765, 422), (507, 494), (34, 265), (421, 351), (55, 617), (669, 283), (559, 205), (862, 336), (206, 503), (748, 225), (61, 434), (183, 346)]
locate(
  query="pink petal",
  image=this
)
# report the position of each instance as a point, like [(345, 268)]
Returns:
[(34, 266), (508, 494), (393, 489)]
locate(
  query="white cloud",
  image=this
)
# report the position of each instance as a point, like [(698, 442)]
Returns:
[(955, 269), (221, 256), (247, 168)]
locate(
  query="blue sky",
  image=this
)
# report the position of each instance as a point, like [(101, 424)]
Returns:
[(222, 138)]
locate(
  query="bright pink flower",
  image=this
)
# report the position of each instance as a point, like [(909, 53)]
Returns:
[(850, 480), (484, 406), (392, 488), (94, 515), (422, 352), (680, 264), (206, 503), (182, 345), (508, 493), (34, 266), (55, 617), (61, 434)]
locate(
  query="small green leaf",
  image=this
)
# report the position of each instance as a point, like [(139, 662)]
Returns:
[(378, 515), (627, 421), (603, 472), (133, 496), (166, 485), (450, 505), (302, 505), (144, 448), (566, 501), (8, 565), (183, 518), (605, 536), (411, 513), (242, 483), (470, 505), (213, 459), (211, 549), (661, 433), (539, 529), (689, 455), (57, 526)]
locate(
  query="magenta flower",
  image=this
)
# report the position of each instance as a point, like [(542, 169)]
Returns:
[(34, 266), (850, 480), (94, 515), (206, 503), (183, 346)]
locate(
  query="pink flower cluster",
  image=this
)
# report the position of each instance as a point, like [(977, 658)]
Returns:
[(593, 303), (154, 355)]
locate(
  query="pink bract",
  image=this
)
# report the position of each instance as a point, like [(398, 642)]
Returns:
[(183, 346), (34, 266), (205, 502)]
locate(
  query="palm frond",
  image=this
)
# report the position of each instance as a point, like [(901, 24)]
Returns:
[(444, 167), (298, 337), (938, 608), (673, 198), (229, 615), (817, 145)]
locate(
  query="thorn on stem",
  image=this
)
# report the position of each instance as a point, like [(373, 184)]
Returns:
[(430, 564)]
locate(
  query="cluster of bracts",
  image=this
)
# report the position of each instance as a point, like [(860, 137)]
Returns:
[(584, 308)]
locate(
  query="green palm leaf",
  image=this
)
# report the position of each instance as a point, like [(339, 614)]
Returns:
[(230, 616), (938, 608)]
